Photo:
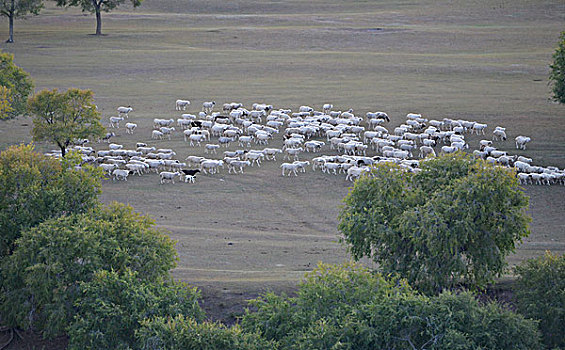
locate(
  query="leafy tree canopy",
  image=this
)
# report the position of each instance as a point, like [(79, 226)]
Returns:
[(540, 294), (43, 275), (557, 74), (348, 307), (453, 222), (15, 87), (34, 188), (112, 307), (64, 117)]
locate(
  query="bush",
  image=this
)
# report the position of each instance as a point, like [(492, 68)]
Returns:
[(540, 294), (347, 307), (452, 223), (41, 279), (557, 74), (34, 188), (186, 333), (112, 307)]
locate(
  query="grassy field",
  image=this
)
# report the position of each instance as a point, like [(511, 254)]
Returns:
[(240, 235)]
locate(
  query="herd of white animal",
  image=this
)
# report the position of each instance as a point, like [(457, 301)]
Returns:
[(356, 143)]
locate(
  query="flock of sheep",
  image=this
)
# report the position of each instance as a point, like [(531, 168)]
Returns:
[(355, 143)]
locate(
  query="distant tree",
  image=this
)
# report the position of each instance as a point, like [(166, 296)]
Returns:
[(557, 74), (540, 294), (34, 188), (16, 9), (64, 117), (97, 6), (15, 87), (452, 223), (42, 277)]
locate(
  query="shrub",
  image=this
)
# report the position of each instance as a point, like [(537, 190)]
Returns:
[(182, 332), (347, 307), (540, 294), (41, 279), (112, 307)]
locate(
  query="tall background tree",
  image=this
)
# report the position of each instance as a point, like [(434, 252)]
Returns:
[(452, 223), (97, 6), (64, 117), (557, 74), (18, 8), (15, 87)]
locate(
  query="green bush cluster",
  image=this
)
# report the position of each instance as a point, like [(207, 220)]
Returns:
[(540, 295), (557, 73), (349, 307), (16, 87)]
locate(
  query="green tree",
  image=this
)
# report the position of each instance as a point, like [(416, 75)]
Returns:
[(112, 306), (34, 188), (453, 222), (349, 307), (18, 8), (97, 6), (540, 294), (557, 74), (42, 277), (64, 117), (16, 87)]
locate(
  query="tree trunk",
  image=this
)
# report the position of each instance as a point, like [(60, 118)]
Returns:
[(11, 37), (98, 21)]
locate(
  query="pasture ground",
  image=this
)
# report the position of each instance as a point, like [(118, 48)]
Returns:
[(239, 235)]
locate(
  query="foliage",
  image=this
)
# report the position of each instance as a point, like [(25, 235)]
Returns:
[(64, 117), (34, 188), (557, 74), (16, 86), (182, 332), (112, 306), (454, 222), (348, 307), (540, 294), (43, 275), (96, 6)]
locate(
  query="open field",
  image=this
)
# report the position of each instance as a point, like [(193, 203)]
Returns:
[(242, 234)]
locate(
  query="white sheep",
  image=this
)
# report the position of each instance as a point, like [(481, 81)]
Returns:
[(521, 142), (130, 127), (237, 164), (115, 121), (125, 110), (156, 134), (290, 167), (499, 133), (168, 176), (212, 148), (181, 105), (120, 174), (208, 106)]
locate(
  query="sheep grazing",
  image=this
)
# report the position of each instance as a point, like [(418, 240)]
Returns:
[(167, 176), (327, 107), (521, 142), (290, 167), (180, 105), (120, 174), (125, 110), (130, 127), (115, 121), (208, 106), (156, 135), (499, 133)]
